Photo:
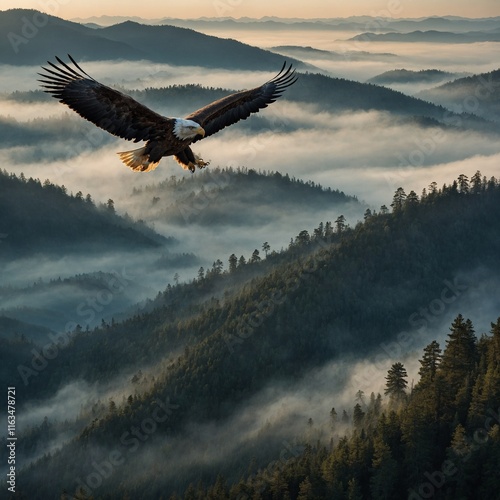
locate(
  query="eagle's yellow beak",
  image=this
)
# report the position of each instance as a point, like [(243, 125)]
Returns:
[(200, 131)]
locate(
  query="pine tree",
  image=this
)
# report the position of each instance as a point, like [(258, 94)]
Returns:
[(255, 256), (333, 420), (411, 199), (460, 356), (233, 263), (486, 390), (463, 183), (396, 384), (358, 416), (328, 230), (305, 490), (477, 182), (429, 363), (398, 200), (201, 274), (385, 471), (354, 490), (340, 224)]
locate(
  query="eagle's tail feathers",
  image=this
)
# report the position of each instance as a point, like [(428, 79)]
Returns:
[(138, 160)]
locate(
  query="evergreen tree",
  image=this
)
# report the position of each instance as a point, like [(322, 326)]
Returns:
[(319, 232), (429, 363), (305, 490), (360, 398), (463, 183), (460, 356), (340, 224), (217, 267), (396, 384), (255, 256), (201, 273), (433, 187), (358, 416), (303, 238), (385, 471), (411, 199), (333, 420), (398, 200), (476, 182), (233, 263)]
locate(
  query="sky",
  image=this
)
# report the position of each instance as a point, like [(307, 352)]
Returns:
[(68, 9)]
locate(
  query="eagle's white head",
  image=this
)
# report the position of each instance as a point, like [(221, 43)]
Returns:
[(187, 129)]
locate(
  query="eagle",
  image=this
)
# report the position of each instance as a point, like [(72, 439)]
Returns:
[(124, 117)]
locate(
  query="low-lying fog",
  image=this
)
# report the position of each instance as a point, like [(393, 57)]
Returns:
[(368, 154)]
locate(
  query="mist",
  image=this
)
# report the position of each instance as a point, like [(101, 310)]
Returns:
[(283, 416), (366, 153)]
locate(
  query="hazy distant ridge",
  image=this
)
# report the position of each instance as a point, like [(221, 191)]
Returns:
[(24, 43)]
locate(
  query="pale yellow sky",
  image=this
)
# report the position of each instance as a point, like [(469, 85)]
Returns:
[(257, 8)]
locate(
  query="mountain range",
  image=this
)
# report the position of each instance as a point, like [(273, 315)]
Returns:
[(432, 36), (31, 38), (357, 23)]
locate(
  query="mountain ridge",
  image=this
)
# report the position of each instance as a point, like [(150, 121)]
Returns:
[(29, 41)]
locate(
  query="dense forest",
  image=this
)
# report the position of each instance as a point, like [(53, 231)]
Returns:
[(408, 76), (205, 348), (43, 216), (438, 439), (454, 95), (238, 197)]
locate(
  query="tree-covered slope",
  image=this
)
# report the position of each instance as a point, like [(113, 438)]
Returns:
[(238, 197), (440, 439), (38, 218), (332, 294), (479, 94)]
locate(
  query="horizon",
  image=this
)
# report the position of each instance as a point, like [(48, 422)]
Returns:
[(237, 9)]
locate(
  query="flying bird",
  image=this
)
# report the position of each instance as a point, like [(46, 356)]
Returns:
[(124, 117)]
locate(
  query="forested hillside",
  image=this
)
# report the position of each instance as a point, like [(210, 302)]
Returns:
[(408, 76), (336, 292), (237, 197), (44, 218), (439, 439), (479, 94)]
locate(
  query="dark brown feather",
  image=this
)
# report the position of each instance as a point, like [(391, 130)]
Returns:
[(107, 108), (241, 105)]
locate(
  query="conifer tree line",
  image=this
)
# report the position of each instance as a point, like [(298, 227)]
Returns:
[(439, 439)]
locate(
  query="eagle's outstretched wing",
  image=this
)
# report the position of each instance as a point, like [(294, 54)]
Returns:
[(107, 108), (240, 105)]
